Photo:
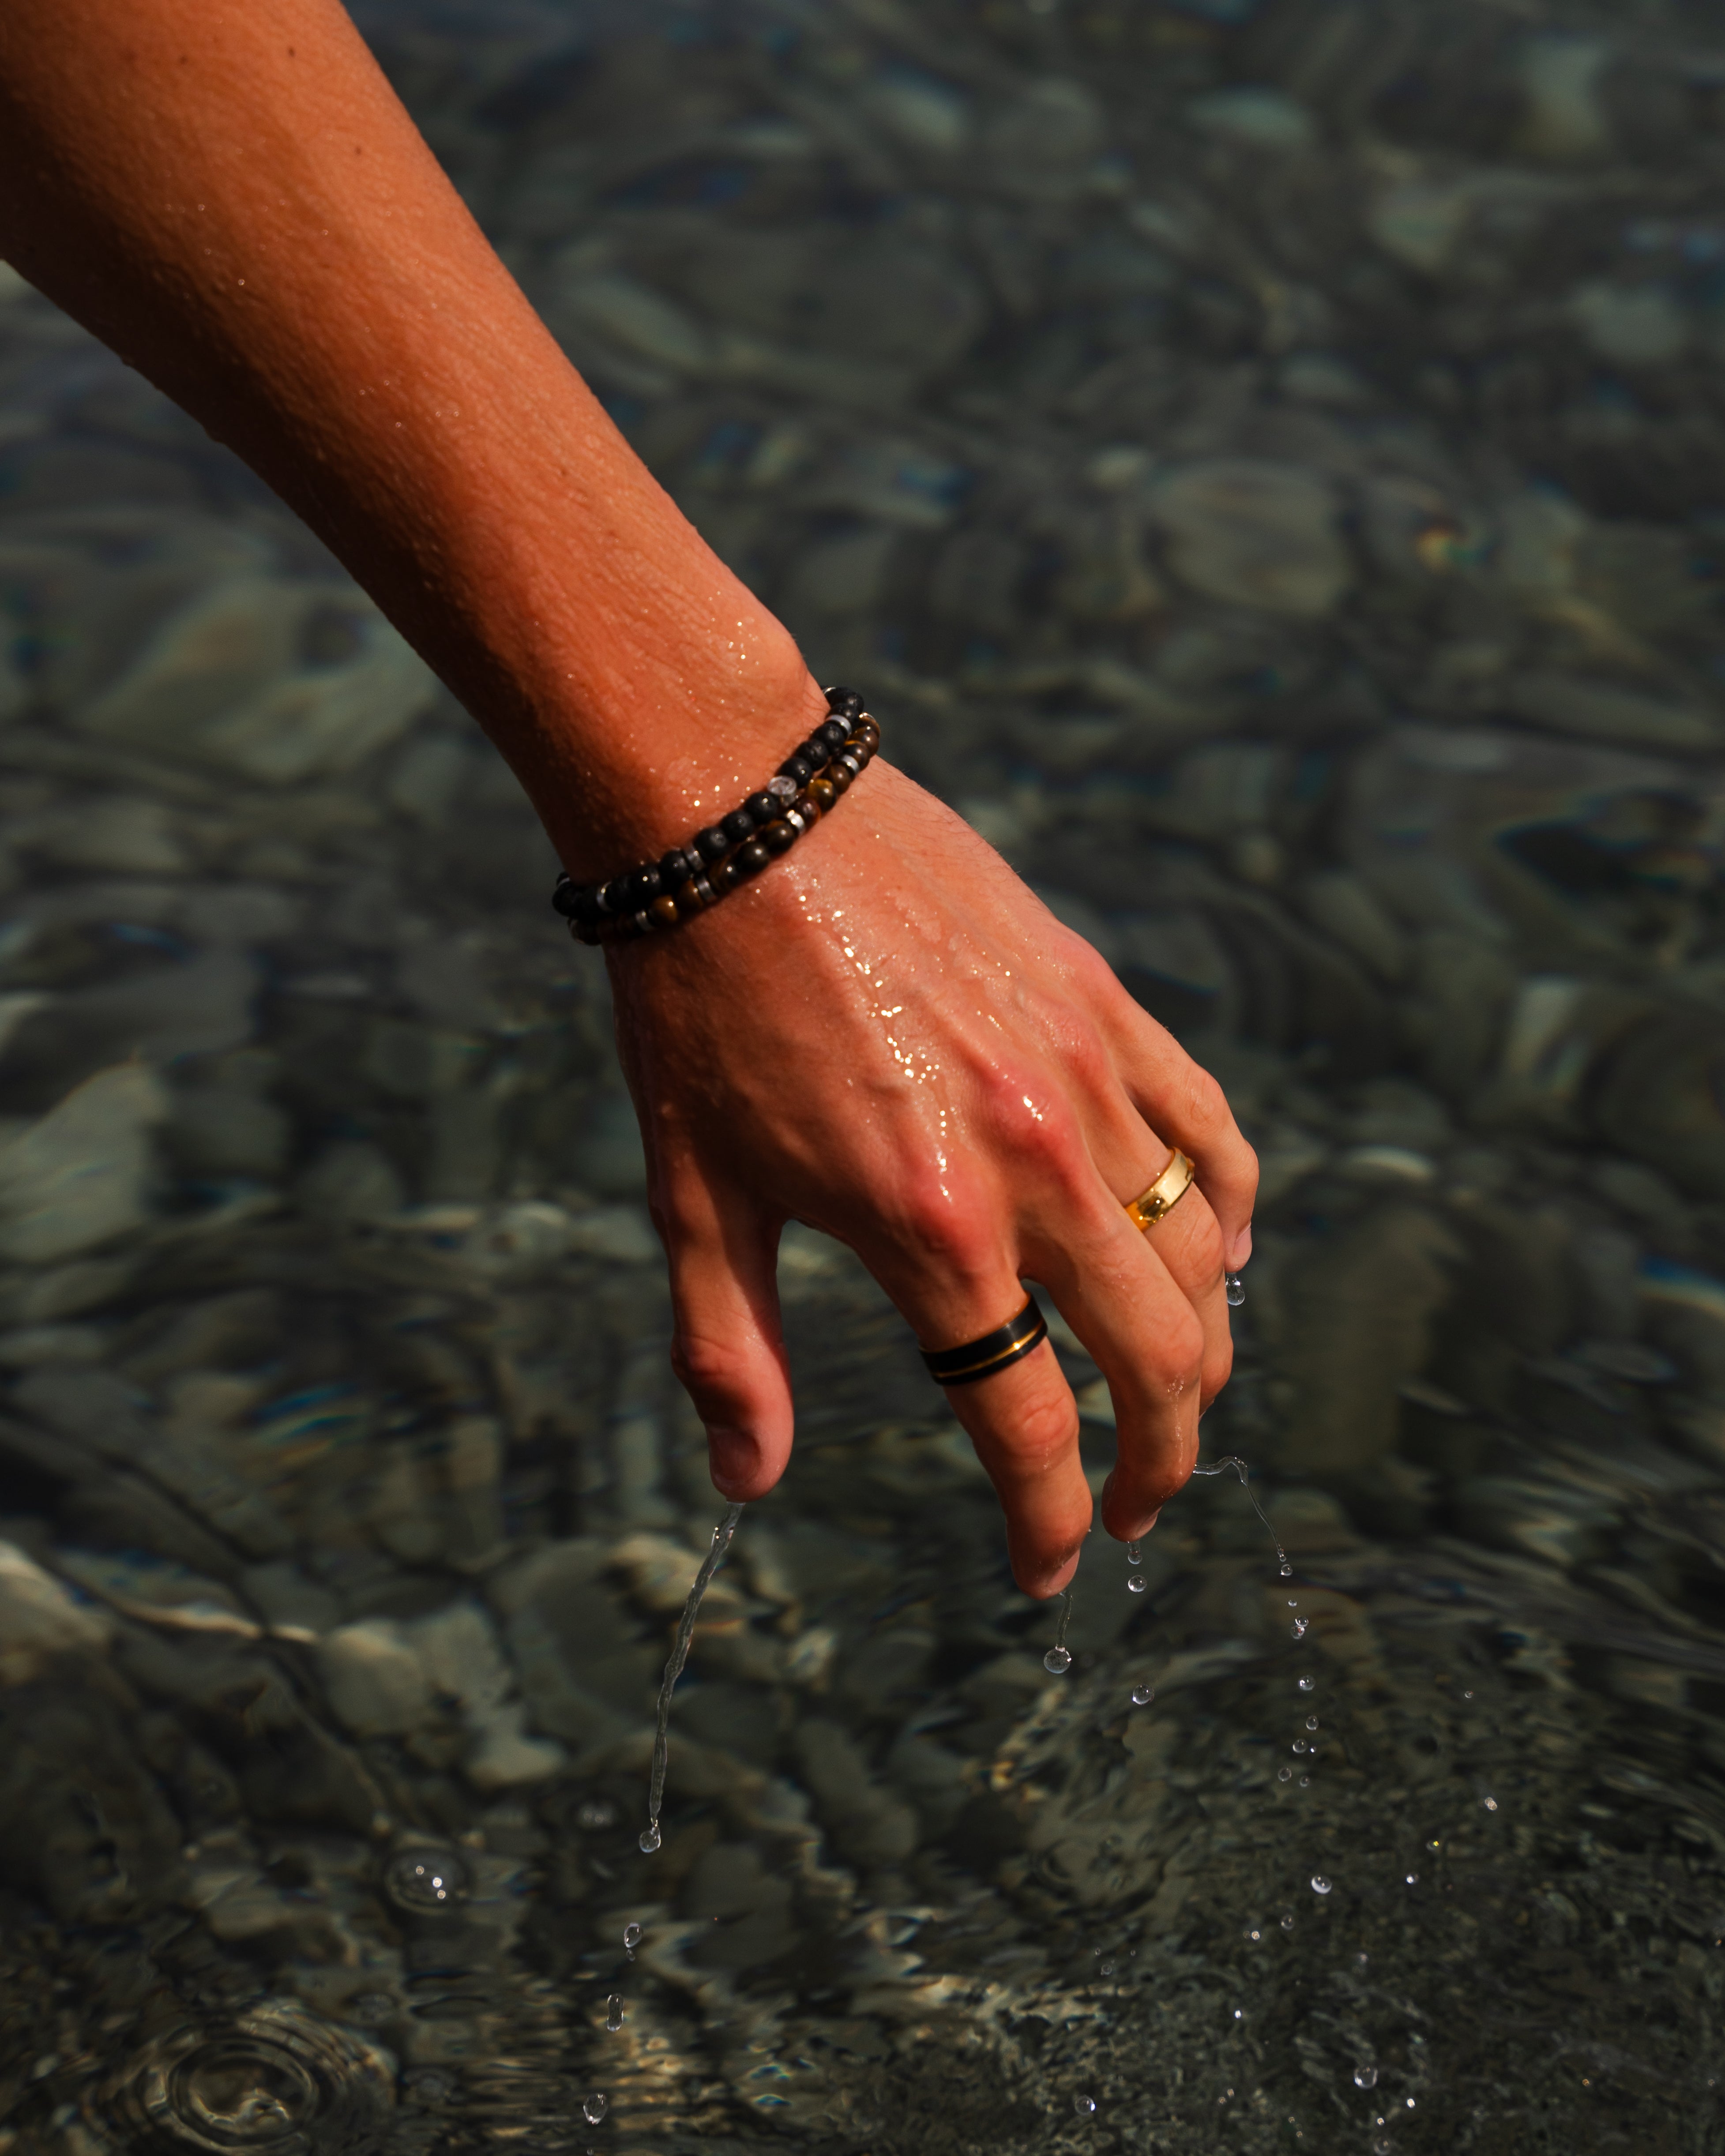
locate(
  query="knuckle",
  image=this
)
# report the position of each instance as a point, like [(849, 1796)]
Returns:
[(709, 1369), (1040, 1432), (1175, 1361), (931, 1217)]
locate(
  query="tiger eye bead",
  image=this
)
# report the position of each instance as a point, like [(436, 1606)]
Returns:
[(779, 837), (839, 778), (722, 876), (664, 913), (752, 859), (807, 807), (823, 793), (689, 898)]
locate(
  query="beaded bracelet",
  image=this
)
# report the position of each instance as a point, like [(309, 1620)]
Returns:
[(689, 879)]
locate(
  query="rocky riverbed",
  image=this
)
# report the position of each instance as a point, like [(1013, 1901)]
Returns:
[(1266, 460)]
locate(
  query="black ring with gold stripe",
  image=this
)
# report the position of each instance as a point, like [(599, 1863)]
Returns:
[(1006, 1344)]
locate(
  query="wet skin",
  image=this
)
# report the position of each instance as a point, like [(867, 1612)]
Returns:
[(887, 1036)]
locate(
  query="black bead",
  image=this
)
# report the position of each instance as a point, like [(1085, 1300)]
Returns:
[(645, 886), (832, 735), (738, 824), (673, 868), (762, 806), (814, 752), (605, 899), (587, 910), (844, 701), (566, 898), (713, 843), (796, 767), (752, 859)]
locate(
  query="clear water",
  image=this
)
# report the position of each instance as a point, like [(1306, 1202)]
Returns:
[(1265, 459)]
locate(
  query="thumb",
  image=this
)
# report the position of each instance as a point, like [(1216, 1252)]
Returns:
[(728, 1350)]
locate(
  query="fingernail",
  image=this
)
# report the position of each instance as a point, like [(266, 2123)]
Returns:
[(733, 1460), (1240, 1250)]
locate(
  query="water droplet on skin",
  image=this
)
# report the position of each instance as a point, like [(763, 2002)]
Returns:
[(426, 1880), (1320, 1885), (1308, 1684), (1284, 1773), (1365, 2078), (631, 1936), (650, 1839), (614, 2016), (1143, 1695), (1299, 1627), (1236, 1291), (1312, 1721), (1084, 2105), (1135, 1585), (594, 2107)]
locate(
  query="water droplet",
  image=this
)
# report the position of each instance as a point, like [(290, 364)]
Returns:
[(1287, 1570), (1308, 1684), (1057, 1661), (426, 1880), (1434, 1845), (1312, 1721), (1410, 2101), (1320, 1885), (1084, 2105), (1106, 1968), (1135, 1585), (1413, 1879), (596, 1815), (1306, 1781), (1239, 2013), (1236, 1291), (1382, 2147), (1284, 1773), (1287, 1923), (1134, 1553), (594, 2107), (1301, 1745), (1142, 1694), (614, 2016), (631, 1936), (1489, 1802), (650, 1838), (1299, 1627), (1365, 2078), (428, 2086)]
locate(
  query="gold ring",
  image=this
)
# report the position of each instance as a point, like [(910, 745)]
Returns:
[(1160, 1200)]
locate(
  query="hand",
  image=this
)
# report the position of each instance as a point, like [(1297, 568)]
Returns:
[(887, 1037)]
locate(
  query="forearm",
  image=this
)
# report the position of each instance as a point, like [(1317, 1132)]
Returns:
[(232, 198)]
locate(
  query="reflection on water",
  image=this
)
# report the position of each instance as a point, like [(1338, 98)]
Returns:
[(1269, 452)]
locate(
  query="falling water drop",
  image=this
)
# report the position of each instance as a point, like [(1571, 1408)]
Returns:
[(1287, 1923), (1284, 1773), (674, 1669), (1298, 1627), (1142, 1694), (1301, 1745), (1312, 1721), (1308, 1684), (1320, 1885), (1236, 1291), (1058, 1658), (594, 2107), (1084, 2105), (1413, 1879), (1234, 1460), (631, 1937), (1135, 1553), (614, 2015), (1365, 2078), (1135, 1585)]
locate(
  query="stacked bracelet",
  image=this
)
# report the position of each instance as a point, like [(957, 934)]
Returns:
[(689, 879)]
